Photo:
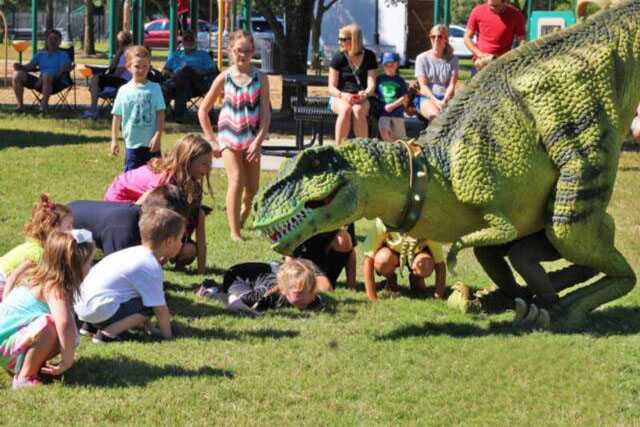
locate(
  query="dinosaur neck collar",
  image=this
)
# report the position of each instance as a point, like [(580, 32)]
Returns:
[(417, 188)]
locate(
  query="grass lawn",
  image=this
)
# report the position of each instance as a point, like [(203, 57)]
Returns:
[(402, 361)]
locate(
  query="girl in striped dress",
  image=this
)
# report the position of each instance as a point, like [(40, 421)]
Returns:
[(243, 124)]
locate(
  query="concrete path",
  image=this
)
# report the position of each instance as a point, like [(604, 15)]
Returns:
[(268, 163)]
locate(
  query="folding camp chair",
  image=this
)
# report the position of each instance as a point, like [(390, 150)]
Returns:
[(61, 93)]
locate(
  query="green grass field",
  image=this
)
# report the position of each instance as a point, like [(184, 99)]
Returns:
[(401, 361)]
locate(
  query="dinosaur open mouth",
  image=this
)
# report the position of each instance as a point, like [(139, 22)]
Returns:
[(277, 231), (315, 204)]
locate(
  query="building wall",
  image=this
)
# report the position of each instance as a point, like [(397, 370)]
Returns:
[(400, 26)]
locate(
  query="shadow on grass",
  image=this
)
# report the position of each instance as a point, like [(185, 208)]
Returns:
[(124, 371), (603, 323), (187, 307), (33, 138), (454, 330), (186, 331)]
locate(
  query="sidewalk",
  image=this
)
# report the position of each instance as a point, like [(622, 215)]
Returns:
[(268, 162)]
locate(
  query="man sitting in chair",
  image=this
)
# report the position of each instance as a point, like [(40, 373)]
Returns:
[(188, 73), (53, 64)]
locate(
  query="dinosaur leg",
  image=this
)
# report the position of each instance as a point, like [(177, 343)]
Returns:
[(570, 276), (590, 243), (500, 230), (492, 259), (583, 233)]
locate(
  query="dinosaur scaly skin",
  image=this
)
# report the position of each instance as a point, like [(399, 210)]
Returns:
[(532, 142)]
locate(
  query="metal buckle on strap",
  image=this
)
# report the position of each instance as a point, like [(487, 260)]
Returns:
[(417, 188)]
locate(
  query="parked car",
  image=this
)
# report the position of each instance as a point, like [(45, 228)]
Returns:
[(156, 33), (261, 31), (456, 40)]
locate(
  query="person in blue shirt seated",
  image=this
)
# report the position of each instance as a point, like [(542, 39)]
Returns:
[(188, 72), (54, 65)]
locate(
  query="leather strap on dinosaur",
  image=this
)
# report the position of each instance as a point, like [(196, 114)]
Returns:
[(417, 187)]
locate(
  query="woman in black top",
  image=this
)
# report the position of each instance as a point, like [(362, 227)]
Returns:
[(352, 79)]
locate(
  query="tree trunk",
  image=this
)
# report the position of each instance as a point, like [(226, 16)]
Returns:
[(48, 10), (89, 38), (316, 29)]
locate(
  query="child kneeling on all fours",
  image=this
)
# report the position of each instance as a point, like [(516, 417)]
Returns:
[(125, 288), (36, 316), (187, 166), (386, 251), (255, 287), (46, 217)]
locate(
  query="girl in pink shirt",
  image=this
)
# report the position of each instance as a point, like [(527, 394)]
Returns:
[(186, 166)]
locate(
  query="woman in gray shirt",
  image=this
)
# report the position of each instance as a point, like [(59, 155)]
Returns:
[(437, 74)]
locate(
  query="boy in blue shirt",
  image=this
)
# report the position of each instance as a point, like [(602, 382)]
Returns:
[(53, 63), (188, 72), (139, 111), (390, 90)]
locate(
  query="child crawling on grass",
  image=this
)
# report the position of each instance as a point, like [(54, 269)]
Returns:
[(125, 288), (36, 317), (386, 251), (255, 287)]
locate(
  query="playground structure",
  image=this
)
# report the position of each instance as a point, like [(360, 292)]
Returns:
[(239, 12)]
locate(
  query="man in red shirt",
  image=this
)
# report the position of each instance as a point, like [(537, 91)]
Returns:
[(497, 24)]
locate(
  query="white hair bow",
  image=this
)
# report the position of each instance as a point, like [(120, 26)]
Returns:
[(82, 235)]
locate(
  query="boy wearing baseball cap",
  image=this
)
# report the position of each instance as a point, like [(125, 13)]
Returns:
[(390, 89)]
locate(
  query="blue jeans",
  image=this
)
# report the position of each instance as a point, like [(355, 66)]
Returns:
[(136, 157)]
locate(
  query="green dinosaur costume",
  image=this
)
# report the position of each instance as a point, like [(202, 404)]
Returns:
[(531, 143)]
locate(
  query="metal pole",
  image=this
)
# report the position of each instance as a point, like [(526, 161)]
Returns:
[(173, 8), (234, 14), (193, 11), (34, 26), (446, 17), (529, 9), (220, 32), (436, 12), (140, 21), (112, 29), (69, 20), (246, 15)]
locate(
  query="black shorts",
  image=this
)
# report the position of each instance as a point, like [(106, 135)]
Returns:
[(59, 83), (126, 309)]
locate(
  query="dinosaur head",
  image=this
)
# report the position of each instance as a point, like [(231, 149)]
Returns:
[(314, 192)]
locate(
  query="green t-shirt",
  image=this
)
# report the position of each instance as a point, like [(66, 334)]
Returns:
[(29, 250), (138, 104)]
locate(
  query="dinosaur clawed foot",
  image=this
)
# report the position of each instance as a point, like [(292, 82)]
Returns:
[(531, 316)]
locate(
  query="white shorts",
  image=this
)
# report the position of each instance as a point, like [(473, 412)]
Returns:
[(393, 124)]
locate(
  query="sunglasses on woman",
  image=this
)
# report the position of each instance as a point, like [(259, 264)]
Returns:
[(343, 39), (436, 37)]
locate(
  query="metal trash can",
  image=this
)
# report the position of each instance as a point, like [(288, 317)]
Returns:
[(270, 57)]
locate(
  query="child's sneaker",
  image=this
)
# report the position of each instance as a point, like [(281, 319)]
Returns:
[(101, 338), (27, 382), (208, 291), (87, 329)]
